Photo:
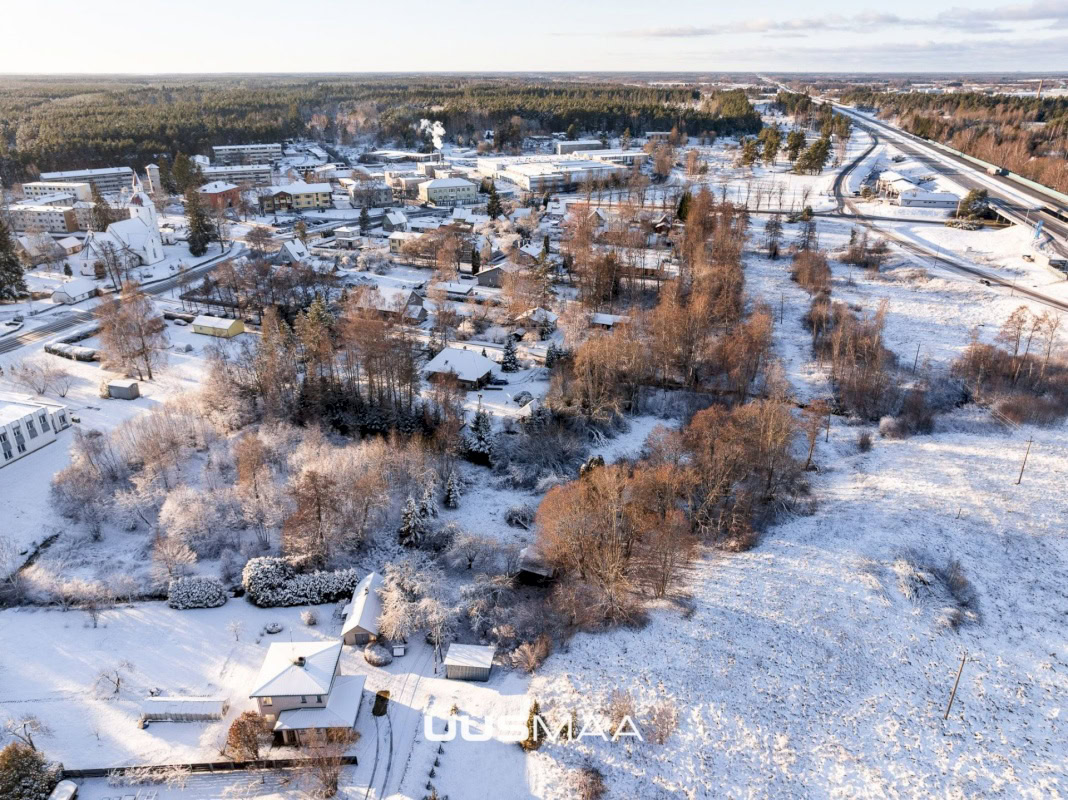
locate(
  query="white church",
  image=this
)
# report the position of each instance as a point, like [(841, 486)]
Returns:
[(135, 241)]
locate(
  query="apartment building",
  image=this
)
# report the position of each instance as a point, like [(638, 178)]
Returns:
[(256, 174), (542, 176), (575, 145), (26, 426), (110, 180), (33, 217), (448, 192), (38, 189), (367, 194), (297, 196), (231, 154)]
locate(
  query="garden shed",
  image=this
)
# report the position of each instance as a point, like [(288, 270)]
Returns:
[(183, 709), (469, 662)]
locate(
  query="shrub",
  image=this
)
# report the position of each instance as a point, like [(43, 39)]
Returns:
[(247, 734), (530, 655), (864, 442), (376, 655), (620, 705), (520, 516), (663, 717), (25, 775), (589, 784), (271, 582), (309, 617), (195, 592)]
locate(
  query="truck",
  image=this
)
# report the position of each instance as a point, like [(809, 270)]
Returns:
[(996, 171)]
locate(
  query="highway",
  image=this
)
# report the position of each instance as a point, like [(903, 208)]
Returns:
[(848, 209), (68, 318)]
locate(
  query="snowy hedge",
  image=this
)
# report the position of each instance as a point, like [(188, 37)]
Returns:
[(195, 592), (273, 582)]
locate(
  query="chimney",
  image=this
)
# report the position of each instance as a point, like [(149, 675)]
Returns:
[(299, 661)]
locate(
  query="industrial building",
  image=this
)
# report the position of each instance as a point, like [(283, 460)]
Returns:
[(109, 180), (231, 154), (575, 145)]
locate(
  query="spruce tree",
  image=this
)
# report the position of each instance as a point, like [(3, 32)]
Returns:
[(100, 215), (552, 356), (412, 524), (12, 277), (479, 440), (427, 505), (493, 205), (452, 492), (476, 261), (533, 740), (510, 362), (200, 228), (684, 206), (365, 220)]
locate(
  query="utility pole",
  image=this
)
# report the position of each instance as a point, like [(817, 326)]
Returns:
[(1024, 464), (953, 694), (916, 360)]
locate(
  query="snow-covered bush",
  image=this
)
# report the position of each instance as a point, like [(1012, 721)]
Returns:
[(376, 655), (195, 592), (309, 617), (25, 775), (520, 516), (271, 581)]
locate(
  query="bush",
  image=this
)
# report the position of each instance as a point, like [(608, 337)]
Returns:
[(376, 655), (864, 442), (589, 784), (271, 582), (530, 655), (25, 775), (195, 592), (309, 617), (520, 517)]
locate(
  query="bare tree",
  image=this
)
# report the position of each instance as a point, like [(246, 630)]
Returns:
[(325, 759), (24, 728), (132, 334)]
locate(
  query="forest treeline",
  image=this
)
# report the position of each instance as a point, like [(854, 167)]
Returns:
[(1027, 135), (69, 123)]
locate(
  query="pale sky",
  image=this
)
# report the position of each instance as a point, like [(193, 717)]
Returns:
[(196, 36)]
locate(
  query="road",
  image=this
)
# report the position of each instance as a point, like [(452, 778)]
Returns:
[(964, 173), (848, 209), (68, 318)]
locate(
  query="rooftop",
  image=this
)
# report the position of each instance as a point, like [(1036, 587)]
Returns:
[(470, 655), (340, 710), (366, 607), (467, 365), (283, 674)]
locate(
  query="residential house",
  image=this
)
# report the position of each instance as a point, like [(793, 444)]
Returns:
[(494, 275), (395, 302), (455, 290), (296, 196), (37, 248), (26, 426), (74, 291), (394, 221), (293, 251), (218, 326), (471, 370), (300, 689)]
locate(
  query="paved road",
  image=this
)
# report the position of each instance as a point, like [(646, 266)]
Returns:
[(848, 209), (68, 318), (963, 172)]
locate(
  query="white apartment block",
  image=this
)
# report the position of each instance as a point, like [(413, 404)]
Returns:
[(27, 426), (542, 176), (256, 174), (448, 192), (231, 154), (35, 189), (53, 219), (110, 180)]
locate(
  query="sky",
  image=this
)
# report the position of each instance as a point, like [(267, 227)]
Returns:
[(196, 36)]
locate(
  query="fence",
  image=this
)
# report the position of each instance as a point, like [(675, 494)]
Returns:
[(211, 767)]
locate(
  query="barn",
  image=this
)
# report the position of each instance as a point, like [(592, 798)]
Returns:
[(469, 662), (218, 326)]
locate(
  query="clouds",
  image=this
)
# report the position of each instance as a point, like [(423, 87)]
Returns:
[(970, 20)]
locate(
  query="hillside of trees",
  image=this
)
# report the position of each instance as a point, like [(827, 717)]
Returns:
[(63, 123), (1026, 135)]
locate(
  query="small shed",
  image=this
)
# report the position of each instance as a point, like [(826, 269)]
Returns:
[(218, 326), (124, 389), (183, 709), (362, 613), (74, 291), (469, 662)]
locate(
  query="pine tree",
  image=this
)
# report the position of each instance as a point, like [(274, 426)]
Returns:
[(510, 363), (452, 492), (100, 216), (572, 132), (412, 525), (533, 740), (684, 206), (552, 356), (795, 143), (544, 249), (12, 277), (493, 205), (476, 261), (200, 227), (365, 220), (479, 440), (624, 140)]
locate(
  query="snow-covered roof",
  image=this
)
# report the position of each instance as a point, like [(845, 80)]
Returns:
[(216, 187), (339, 712), (470, 655), (133, 232), (366, 606), (607, 319), (69, 241), (65, 790), (77, 286), (446, 183), (455, 287), (467, 365), (504, 266), (295, 249), (890, 176), (539, 315), (207, 321), (299, 187), (283, 676), (921, 194), (396, 217), (386, 298)]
